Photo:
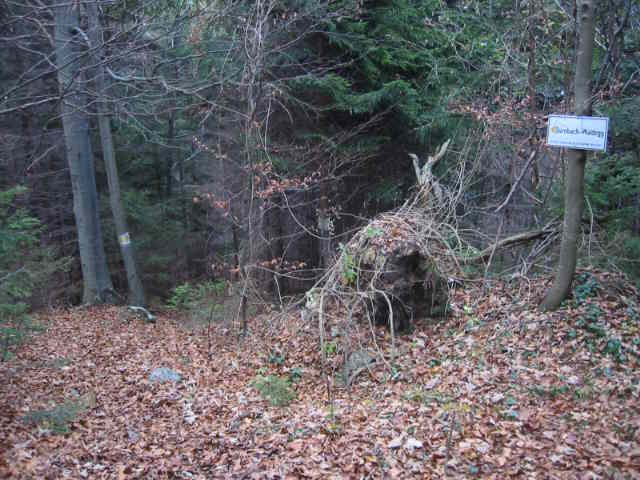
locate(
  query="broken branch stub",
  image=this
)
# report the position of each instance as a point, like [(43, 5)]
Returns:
[(429, 188)]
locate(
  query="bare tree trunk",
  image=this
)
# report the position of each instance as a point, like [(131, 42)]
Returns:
[(96, 282), (255, 37), (533, 139), (136, 291), (324, 231), (576, 159), (570, 38), (531, 68), (170, 142)]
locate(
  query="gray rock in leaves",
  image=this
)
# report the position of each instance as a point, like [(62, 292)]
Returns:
[(164, 374), (358, 361)]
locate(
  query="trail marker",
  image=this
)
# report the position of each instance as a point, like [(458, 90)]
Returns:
[(583, 133)]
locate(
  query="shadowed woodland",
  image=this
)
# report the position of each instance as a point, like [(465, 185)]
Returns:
[(318, 239)]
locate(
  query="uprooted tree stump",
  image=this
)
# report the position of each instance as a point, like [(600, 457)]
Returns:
[(411, 285), (397, 267), (394, 269), (399, 264)]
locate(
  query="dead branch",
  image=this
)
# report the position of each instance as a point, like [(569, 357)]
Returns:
[(518, 181), (511, 241), (424, 176)]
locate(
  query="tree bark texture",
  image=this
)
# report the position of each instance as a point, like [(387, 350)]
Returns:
[(576, 159), (96, 281), (136, 291), (324, 231), (531, 67), (531, 78)]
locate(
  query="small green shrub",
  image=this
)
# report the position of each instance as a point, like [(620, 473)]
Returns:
[(58, 418), (188, 296), (330, 348), (276, 358), (181, 296), (295, 374), (615, 349), (275, 389), (596, 337), (349, 272), (551, 392), (586, 287), (25, 267)]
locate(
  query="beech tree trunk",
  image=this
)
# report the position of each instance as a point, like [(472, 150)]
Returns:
[(97, 287), (576, 159), (136, 291)]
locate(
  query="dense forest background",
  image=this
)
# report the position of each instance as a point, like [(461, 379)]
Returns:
[(252, 138)]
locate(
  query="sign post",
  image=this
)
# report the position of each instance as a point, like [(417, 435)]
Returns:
[(582, 133)]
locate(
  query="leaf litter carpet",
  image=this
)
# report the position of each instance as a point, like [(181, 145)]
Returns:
[(496, 390)]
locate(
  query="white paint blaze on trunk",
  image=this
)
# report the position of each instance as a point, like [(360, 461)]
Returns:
[(136, 291)]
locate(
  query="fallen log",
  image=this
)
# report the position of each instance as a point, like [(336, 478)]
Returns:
[(511, 241)]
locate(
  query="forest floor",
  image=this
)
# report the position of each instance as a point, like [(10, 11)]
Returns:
[(496, 390)]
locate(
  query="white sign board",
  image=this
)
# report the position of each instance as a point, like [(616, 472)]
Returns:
[(584, 133)]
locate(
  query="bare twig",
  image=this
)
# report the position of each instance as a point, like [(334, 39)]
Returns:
[(532, 156), (493, 251)]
